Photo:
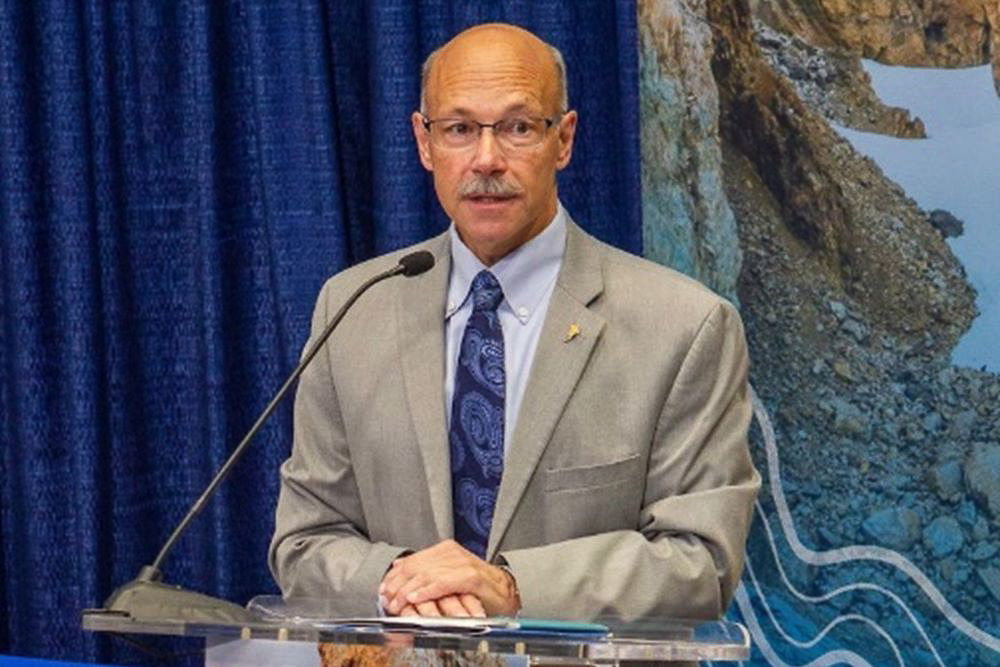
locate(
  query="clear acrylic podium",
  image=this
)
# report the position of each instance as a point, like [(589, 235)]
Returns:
[(323, 633)]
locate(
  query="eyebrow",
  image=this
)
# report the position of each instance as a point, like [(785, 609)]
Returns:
[(462, 112)]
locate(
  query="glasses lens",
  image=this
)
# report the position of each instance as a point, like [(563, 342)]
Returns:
[(455, 133), (521, 131)]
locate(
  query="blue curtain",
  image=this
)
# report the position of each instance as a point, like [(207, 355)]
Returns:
[(177, 178)]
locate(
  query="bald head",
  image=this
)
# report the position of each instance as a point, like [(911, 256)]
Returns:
[(501, 49)]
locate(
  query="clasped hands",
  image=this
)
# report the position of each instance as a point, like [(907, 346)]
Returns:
[(447, 580)]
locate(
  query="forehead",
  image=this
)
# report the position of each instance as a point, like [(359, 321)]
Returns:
[(483, 75)]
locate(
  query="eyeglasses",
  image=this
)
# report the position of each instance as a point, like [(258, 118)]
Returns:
[(512, 133)]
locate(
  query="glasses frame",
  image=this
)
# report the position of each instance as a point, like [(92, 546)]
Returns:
[(549, 122)]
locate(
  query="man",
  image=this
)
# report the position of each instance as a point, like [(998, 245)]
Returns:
[(539, 424)]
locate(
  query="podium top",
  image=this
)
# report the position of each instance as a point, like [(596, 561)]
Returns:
[(322, 620)]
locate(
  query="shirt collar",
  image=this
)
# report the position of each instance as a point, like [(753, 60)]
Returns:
[(525, 274)]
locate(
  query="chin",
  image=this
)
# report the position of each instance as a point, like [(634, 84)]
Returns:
[(488, 225), (490, 235)]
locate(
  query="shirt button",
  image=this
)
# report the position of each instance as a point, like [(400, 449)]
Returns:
[(522, 312)]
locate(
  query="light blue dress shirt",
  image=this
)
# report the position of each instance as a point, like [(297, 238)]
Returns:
[(527, 276)]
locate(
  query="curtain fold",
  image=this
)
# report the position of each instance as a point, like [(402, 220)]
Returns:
[(177, 180)]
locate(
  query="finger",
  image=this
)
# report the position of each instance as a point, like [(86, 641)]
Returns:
[(398, 598), (416, 559), (451, 566), (428, 609), (399, 571), (404, 568), (391, 584), (409, 610), (472, 605), (487, 583), (447, 554), (452, 582), (451, 605)]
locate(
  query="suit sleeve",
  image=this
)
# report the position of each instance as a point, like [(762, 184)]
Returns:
[(320, 545), (685, 558)]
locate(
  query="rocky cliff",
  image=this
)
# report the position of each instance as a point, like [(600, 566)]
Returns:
[(707, 89), (834, 83), (851, 297), (930, 33), (687, 220), (853, 228)]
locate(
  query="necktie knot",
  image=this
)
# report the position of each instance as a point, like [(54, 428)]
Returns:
[(486, 292)]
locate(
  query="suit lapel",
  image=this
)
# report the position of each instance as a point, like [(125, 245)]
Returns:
[(564, 347), (421, 308)]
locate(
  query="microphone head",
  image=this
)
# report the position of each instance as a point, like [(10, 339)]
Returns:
[(416, 263)]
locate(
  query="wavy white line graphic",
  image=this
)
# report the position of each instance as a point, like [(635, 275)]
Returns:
[(854, 552), (865, 586), (842, 618), (829, 658)]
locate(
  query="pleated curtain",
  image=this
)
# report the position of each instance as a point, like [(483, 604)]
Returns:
[(177, 180)]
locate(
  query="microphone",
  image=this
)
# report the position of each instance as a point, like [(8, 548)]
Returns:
[(146, 596), (416, 263)]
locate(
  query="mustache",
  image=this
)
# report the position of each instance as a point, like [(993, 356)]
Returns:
[(489, 186)]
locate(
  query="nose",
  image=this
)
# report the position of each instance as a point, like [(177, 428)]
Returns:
[(489, 157)]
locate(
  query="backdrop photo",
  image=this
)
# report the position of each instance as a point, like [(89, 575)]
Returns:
[(832, 168), (177, 180)]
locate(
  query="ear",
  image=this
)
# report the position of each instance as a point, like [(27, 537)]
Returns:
[(567, 131), (423, 138)]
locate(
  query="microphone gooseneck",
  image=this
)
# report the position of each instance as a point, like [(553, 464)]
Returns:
[(410, 265), (145, 595)]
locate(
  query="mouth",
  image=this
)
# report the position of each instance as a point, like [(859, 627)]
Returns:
[(490, 199)]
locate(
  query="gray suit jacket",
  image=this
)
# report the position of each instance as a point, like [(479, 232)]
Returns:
[(627, 488)]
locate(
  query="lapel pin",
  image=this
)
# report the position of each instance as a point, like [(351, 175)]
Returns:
[(574, 331)]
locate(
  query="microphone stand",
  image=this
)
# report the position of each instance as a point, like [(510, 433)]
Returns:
[(147, 597)]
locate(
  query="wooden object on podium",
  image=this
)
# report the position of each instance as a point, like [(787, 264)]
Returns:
[(353, 655)]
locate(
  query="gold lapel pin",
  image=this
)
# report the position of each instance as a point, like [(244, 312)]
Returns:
[(574, 331)]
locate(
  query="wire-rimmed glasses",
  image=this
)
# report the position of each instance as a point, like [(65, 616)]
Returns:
[(512, 133)]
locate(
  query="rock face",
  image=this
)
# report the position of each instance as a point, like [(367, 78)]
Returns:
[(851, 297), (687, 220), (834, 83), (841, 222), (943, 536), (991, 577), (946, 479), (897, 528), (982, 476), (930, 33), (946, 223)]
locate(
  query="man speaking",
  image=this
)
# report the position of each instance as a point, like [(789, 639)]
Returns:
[(540, 424)]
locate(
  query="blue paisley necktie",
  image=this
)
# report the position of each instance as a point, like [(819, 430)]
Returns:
[(477, 417)]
